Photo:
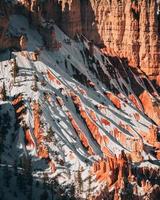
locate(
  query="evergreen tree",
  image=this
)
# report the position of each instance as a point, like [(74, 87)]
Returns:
[(50, 134), (34, 86), (44, 195), (45, 180), (71, 191), (66, 64), (4, 96), (26, 164), (1, 143), (6, 176), (79, 181), (89, 185), (15, 168), (2, 195), (21, 181), (15, 69)]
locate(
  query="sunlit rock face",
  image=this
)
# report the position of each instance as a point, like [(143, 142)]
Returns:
[(151, 107), (130, 28), (84, 112), (125, 28)]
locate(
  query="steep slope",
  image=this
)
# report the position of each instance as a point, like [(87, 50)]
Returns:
[(79, 115), (127, 28)]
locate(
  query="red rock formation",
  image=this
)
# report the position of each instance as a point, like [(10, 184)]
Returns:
[(126, 28), (52, 166), (137, 116), (93, 115), (135, 102), (60, 101), (116, 102), (101, 140), (42, 150), (53, 78), (29, 139), (6, 41), (158, 80), (105, 122), (151, 108), (81, 135), (105, 170), (17, 100)]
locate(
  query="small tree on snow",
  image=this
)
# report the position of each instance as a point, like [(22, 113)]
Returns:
[(3, 92), (79, 181), (89, 184), (34, 87), (14, 69)]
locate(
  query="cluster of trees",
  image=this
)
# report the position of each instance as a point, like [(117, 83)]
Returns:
[(25, 185), (3, 92), (4, 127)]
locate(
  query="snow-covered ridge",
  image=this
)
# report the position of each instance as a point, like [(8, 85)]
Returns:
[(73, 117)]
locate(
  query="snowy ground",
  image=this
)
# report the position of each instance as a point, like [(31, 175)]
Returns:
[(68, 145)]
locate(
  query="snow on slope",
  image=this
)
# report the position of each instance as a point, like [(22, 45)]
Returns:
[(60, 71)]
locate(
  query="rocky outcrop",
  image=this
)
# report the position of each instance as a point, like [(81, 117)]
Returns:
[(131, 30), (151, 106), (124, 28)]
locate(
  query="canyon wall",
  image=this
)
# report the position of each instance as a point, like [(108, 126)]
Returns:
[(127, 28), (124, 28)]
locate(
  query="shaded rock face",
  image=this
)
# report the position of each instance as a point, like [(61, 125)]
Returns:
[(6, 40)]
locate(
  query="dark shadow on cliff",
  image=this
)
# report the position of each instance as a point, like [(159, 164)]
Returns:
[(88, 26), (125, 70), (89, 23)]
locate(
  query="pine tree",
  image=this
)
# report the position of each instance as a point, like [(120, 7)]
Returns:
[(66, 64), (27, 165), (44, 195), (89, 185), (21, 181), (71, 191), (2, 195), (1, 140), (34, 86), (79, 181), (50, 135), (15, 168), (28, 171), (45, 180), (4, 96), (15, 69), (6, 176)]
